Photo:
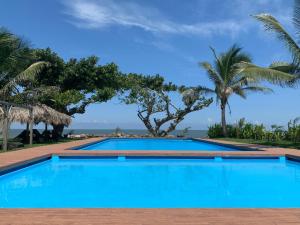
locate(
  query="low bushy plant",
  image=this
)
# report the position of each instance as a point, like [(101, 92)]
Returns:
[(215, 131), (293, 131), (246, 130)]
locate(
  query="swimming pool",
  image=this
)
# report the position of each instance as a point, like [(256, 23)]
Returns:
[(154, 144), (135, 182)]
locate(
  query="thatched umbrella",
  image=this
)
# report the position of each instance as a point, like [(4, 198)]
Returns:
[(52, 116), (34, 114), (37, 114)]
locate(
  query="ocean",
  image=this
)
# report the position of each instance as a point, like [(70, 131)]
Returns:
[(98, 132)]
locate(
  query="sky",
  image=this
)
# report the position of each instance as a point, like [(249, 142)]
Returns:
[(167, 37)]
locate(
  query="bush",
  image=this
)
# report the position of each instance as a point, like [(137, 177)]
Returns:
[(246, 130), (293, 131), (215, 131)]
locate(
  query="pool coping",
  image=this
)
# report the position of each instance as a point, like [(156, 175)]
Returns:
[(68, 149), (28, 163), (241, 148), (200, 216)]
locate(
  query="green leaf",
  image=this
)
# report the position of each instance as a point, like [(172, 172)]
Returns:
[(271, 24), (255, 74)]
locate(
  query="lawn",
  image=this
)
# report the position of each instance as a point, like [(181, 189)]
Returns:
[(283, 144), (63, 140)]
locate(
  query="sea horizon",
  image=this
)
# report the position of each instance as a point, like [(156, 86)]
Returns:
[(98, 132)]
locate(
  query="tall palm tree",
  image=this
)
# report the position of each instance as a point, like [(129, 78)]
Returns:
[(230, 76), (15, 69), (273, 25)]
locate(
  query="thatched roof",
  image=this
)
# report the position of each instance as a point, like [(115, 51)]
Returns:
[(41, 113)]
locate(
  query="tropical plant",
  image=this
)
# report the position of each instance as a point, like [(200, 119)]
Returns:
[(215, 131), (273, 25), (246, 130), (239, 127), (293, 131), (259, 132), (233, 73), (14, 65), (15, 69)]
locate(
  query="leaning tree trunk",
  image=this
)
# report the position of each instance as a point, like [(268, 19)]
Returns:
[(223, 119), (58, 130), (27, 133)]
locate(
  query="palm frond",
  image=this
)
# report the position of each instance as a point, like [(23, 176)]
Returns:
[(26, 75), (239, 91), (228, 60), (30, 72), (296, 17), (257, 73), (15, 54), (212, 74), (284, 67), (257, 89), (239, 81), (219, 66), (271, 24), (243, 91)]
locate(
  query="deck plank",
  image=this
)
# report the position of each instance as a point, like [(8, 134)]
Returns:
[(151, 216)]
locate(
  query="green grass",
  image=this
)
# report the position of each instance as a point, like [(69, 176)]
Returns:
[(283, 144), (64, 140)]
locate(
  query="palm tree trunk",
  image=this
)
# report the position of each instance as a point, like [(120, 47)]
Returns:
[(27, 133), (223, 119)]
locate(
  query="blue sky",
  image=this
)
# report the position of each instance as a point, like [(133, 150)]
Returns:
[(165, 37)]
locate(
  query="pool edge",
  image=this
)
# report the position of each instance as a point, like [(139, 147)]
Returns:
[(234, 147)]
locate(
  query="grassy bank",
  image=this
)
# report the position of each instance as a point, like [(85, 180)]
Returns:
[(283, 144), (64, 140)]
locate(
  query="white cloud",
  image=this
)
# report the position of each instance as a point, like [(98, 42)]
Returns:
[(97, 14), (232, 19)]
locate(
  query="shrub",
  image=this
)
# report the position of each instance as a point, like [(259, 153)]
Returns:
[(215, 131), (246, 130), (293, 131)]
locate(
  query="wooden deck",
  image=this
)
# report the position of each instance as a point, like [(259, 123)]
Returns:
[(151, 216), (143, 216)]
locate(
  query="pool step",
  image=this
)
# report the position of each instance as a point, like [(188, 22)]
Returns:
[(55, 158), (218, 159), (282, 159), (121, 158)]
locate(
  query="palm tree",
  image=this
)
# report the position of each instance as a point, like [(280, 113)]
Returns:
[(15, 66), (233, 73), (15, 69), (272, 24)]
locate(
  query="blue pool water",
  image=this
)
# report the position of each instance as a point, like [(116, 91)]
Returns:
[(147, 183), (154, 144)]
